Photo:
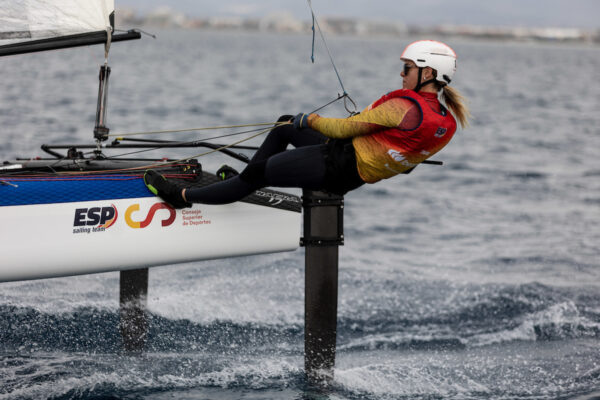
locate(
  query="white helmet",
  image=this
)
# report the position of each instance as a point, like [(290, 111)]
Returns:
[(436, 55)]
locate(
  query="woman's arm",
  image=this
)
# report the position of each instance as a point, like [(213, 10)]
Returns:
[(387, 115)]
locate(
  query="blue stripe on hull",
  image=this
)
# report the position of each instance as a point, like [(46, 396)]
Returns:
[(69, 189)]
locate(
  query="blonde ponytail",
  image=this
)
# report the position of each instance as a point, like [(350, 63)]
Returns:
[(457, 105)]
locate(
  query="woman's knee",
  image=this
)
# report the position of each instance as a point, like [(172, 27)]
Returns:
[(285, 118), (282, 133), (254, 173)]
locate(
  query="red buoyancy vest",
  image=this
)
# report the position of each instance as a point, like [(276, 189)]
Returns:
[(394, 151)]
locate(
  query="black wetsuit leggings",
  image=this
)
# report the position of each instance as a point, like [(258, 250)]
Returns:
[(313, 164)]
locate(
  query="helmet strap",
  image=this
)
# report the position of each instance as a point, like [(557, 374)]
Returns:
[(418, 87), (420, 84)]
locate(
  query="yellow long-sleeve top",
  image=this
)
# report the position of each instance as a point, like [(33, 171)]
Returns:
[(393, 134)]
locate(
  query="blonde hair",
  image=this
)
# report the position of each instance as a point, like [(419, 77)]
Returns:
[(457, 105)]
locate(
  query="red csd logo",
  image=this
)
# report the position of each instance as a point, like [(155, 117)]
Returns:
[(142, 224)]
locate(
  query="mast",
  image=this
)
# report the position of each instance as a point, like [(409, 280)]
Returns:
[(100, 129)]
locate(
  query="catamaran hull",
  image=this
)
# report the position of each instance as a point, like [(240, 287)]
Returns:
[(50, 240)]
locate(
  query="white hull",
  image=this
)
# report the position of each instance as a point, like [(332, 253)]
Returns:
[(51, 240)]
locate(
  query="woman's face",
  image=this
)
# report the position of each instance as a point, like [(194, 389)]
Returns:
[(410, 75)]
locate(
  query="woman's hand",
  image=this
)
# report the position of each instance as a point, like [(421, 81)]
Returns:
[(301, 121)]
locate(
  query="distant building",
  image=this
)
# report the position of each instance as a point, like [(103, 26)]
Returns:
[(127, 18), (280, 22), (382, 28), (165, 17), (235, 23)]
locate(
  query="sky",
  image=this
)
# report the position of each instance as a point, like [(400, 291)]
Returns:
[(528, 13)]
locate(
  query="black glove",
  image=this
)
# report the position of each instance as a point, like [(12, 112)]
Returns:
[(301, 121), (168, 191)]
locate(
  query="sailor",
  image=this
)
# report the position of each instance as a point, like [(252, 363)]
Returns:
[(391, 136)]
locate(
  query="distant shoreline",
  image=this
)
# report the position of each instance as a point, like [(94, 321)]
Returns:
[(286, 23)]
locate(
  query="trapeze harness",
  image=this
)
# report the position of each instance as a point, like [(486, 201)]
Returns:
[(389, 137)]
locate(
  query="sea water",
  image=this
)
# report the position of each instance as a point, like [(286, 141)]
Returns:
[(477, 279)]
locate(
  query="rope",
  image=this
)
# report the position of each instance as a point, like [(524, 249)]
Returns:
[(312, 54), (345, 94), (315, 21), (163, 144), (149, 166), (107, 44), (340, 96), (118, 135), (229, 145)]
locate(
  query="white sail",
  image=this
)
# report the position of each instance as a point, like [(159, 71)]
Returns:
[(30, 20)]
